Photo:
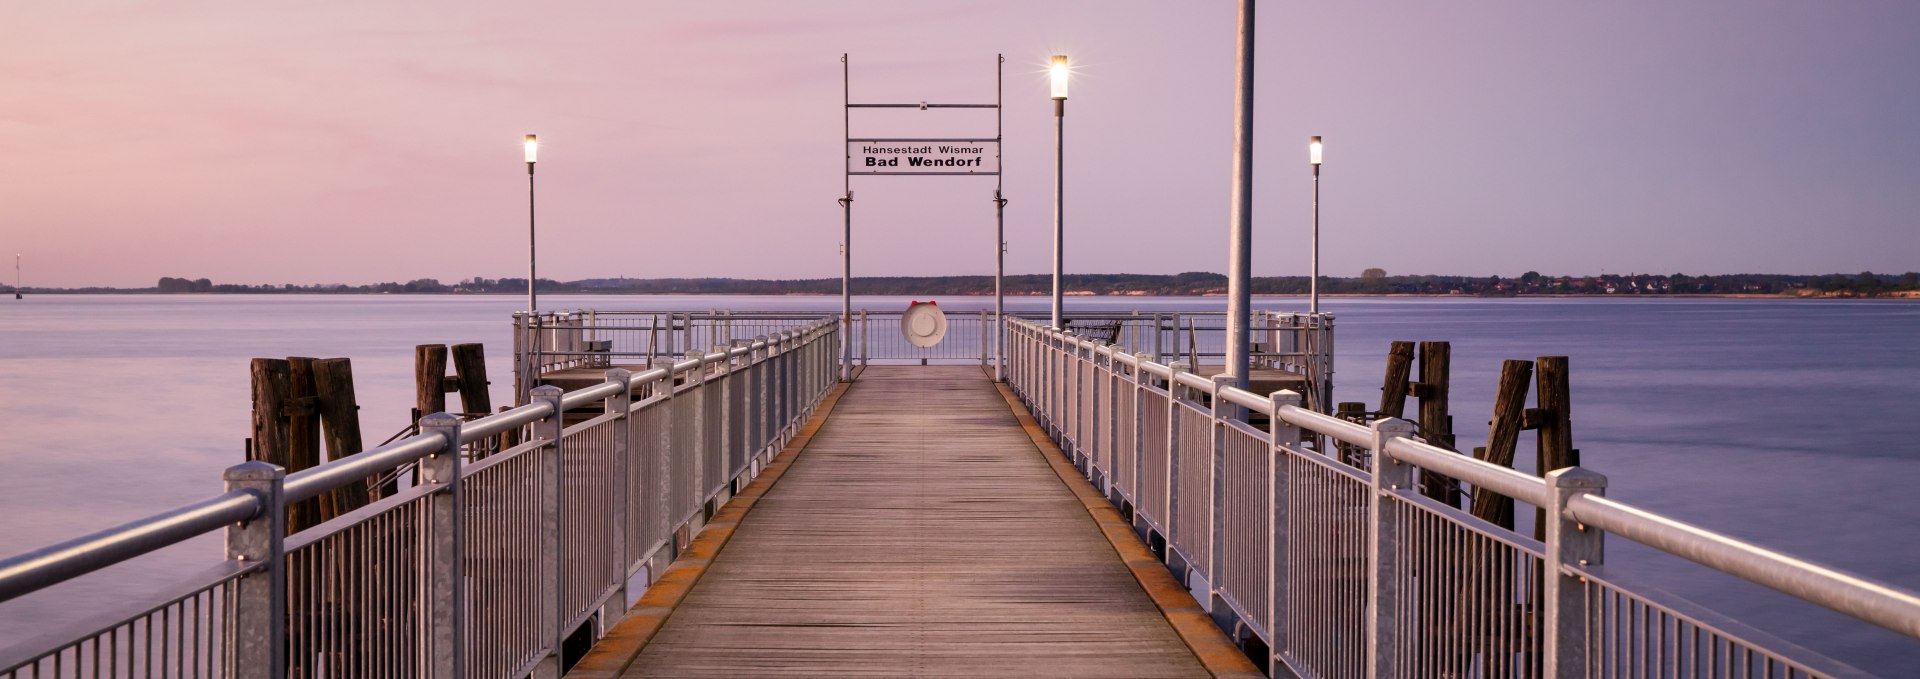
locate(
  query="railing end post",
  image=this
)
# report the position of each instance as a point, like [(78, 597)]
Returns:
[(1571, 547), (446, 599), (256, 637), (1390, 478)]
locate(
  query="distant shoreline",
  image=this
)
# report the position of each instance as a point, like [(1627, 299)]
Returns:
[(1891, 295)]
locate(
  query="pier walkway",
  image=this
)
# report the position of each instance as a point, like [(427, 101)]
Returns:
[(921, 533)]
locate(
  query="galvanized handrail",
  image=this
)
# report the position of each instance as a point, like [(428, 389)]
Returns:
[(1360, 552), (54, 564), (1848, 594), (760, 392)]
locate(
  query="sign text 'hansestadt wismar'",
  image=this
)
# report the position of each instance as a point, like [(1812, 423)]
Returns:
[(923, 157)]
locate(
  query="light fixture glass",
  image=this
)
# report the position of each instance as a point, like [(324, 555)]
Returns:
[(533, 148), (1313, 150), (1059, 73)]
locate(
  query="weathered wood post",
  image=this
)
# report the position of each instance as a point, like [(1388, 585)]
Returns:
[(1393, 391), (1509, 418), (303, 435), (340, 420), (1436, 425), (470, 373), (430, 378), (1355, 412), (1554, 426), (470, 379)]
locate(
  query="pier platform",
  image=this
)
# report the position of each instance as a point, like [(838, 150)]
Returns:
[(920, 532)]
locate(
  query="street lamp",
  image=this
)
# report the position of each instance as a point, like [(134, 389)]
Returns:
[(533, 152), (1057, 72), (1313, 157)]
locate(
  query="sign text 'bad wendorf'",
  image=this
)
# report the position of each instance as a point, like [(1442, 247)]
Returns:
[(907, 156)]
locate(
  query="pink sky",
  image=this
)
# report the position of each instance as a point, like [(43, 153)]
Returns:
[(358, 142)]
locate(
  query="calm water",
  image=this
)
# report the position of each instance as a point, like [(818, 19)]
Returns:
[(1792, 423)]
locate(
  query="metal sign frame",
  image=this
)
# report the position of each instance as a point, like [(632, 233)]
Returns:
[(999, 205)]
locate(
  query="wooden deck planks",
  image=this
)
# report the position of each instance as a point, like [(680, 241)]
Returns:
[(921, 534)]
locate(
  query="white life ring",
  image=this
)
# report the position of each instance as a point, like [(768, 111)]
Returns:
[(923, 324)]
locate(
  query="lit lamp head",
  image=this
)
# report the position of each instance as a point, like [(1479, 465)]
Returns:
[(1058, 73), (533, 148), (1313, 154)]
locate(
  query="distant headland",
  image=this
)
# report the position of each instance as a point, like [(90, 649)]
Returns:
[(1371, 282)]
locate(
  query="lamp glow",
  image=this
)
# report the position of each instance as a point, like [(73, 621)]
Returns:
[(1313, 150), (1059, 75), (533, 148)]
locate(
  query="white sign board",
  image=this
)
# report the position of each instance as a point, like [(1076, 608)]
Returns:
[(917, 156)]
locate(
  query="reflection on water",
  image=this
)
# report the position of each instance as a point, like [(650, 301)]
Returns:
[(1788, 422)]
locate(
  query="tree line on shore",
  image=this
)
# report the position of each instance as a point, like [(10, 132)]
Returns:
[(1196, 283)]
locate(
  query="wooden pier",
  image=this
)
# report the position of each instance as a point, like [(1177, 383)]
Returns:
[(921, 531)]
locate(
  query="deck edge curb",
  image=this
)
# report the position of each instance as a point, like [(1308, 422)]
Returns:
[(614, 653), (1210, 646)]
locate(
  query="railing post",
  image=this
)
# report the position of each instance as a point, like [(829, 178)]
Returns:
[(256, 637), (446, 598), (1102, 424), (1281, 435), (621, 403), (1138, 456), (1390, 477), (549, 430), (1569, 544), (764, 396), (697, 438), (984, 329), (1156, 340), (662, 461), (1171, 512), (723, 449), (1222, 411), (1077, 428), (866, 335), (1049, 382), (790, 386)]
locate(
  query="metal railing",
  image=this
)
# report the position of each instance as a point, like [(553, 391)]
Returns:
[(481, 568), (1350, 572), (559, 340)]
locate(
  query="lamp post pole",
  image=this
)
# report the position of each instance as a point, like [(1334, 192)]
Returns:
[(532, 367), (1058, 70), (1313, 287), (1240, 214), (533, 301)]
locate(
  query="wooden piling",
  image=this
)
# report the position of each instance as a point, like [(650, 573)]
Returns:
[(430, 378), (340, 417), (1509, 417), (1436, 424), (1356, 412), (1393, 391), (1555, 420), (303, 438), (470, 369), (269, 411)]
